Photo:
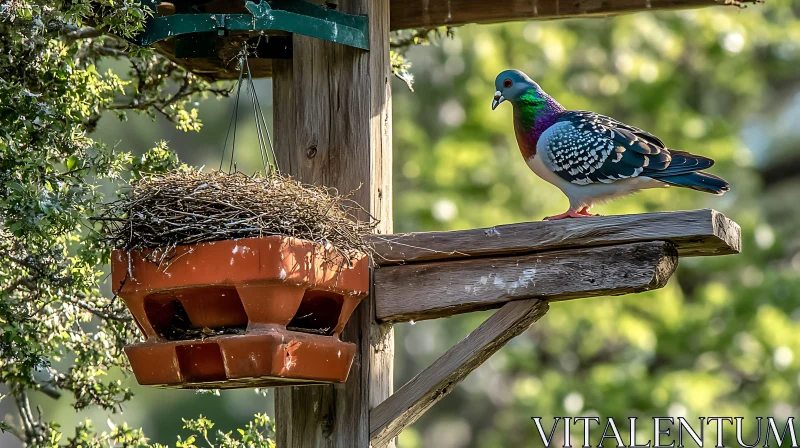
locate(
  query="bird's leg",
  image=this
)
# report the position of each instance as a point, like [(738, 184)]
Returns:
[(567, 214), (585, 211)]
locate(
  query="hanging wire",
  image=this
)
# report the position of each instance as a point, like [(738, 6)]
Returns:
[(264, 127), (234, 119), (259, 131), (268, 159), (260, 114)]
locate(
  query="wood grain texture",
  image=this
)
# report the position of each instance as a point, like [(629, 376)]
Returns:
[(431, 290), (437, 380), (432, 13), (694, 233), (333, 127)]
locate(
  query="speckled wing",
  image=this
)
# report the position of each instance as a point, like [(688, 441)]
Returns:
[(585, 147)]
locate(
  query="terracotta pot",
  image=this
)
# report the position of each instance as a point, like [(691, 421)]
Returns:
[(262, 358), (283, 297)]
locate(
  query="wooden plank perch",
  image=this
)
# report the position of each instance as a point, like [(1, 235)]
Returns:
[(694, 233), (433, 13), (403, 408), (430, 290)]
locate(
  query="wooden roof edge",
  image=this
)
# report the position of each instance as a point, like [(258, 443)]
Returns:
[(407, 14)]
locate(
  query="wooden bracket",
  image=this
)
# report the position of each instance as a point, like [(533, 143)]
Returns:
[(521, 268), (432, 384)]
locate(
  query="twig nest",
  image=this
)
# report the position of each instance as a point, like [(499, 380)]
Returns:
[(186, 207)]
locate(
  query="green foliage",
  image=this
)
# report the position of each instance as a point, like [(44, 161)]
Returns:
[(160, 159), (58, 334), (258, 433), (721, 338)]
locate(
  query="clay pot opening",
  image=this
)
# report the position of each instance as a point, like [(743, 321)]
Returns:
[(271, 317), (189, 313), (318, 313), (201, 362)]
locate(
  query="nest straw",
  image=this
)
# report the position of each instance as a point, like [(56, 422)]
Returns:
[(185, 207)]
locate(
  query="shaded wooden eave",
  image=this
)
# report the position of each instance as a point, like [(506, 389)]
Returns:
[(406, 14), (433, 13)]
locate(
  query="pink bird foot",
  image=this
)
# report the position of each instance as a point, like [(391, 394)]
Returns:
[(569, 214), (585, 212)]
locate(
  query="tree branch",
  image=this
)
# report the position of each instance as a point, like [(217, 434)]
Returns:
[(102, 314), (16, 283), (109, 51), (73, 32), (29, 424)]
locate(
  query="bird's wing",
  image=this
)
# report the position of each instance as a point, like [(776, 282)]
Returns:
[(585, 147)]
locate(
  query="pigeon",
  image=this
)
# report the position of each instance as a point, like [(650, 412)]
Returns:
[(592, 158)]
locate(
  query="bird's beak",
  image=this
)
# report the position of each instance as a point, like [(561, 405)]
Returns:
[(498, 98)]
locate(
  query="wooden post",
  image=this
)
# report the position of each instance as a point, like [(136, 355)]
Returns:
[(332, 111)]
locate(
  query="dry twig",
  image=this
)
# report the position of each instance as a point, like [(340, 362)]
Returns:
[(186, 207)]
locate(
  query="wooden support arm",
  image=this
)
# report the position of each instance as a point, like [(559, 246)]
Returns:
[(694, 233), (403, 408), (440, 289), (521, 268)]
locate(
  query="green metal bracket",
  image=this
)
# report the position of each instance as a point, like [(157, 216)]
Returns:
[(292, 16)]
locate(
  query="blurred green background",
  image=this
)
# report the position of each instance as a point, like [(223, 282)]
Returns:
[(720, 339)]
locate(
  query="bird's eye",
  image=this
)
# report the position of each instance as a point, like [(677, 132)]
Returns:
[(507, 83)]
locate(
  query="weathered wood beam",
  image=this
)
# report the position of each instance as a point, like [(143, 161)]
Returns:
[(432, 384), (432, 13), (430, 290), (694, 233), (332, 109)]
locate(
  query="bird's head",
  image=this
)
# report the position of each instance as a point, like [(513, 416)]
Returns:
[(510, 85)]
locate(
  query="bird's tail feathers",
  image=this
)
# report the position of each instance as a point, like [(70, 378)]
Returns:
[(701, 181), (683, 162)]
